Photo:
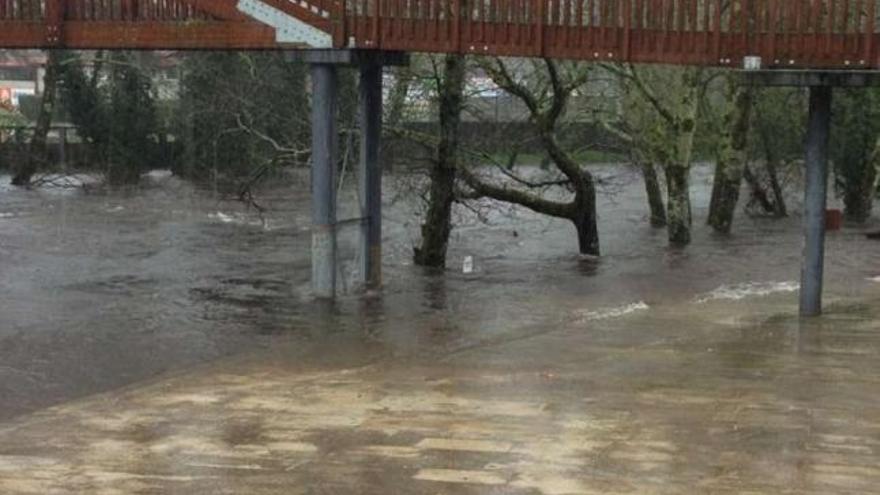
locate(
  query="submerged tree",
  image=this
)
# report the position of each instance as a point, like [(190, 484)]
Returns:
[(776, 144), (630, 122), (732, 153), (545, 93), (437, 224), (660, 117), (653, 190)]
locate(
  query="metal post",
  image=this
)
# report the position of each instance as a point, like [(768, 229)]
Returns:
[(370, 174), (324, 152), (815, 198)]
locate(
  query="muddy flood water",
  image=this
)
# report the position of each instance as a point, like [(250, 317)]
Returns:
[(170, 327)]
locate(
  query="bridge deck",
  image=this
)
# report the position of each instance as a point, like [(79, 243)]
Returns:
[(790, 33)]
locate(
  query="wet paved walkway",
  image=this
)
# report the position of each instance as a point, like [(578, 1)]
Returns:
[(667, 400)]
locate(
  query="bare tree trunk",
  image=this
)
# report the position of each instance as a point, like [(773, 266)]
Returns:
[(37, 152), (679, 218), (758, 193), (438, 221), (731, 157), (779, 208), (679, 209), (581, 212), (584, 218), (655, 195), (771, 165)]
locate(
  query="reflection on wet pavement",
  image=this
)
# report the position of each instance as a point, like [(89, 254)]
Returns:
[(659, 401)]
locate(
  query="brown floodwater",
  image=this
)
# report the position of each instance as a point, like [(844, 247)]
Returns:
[(100, 289)]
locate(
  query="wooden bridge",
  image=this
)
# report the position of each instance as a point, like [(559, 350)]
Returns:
[(831, 42), (784, 33)]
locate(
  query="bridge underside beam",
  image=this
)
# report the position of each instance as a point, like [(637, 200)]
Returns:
[(350, 58), (813, 78)]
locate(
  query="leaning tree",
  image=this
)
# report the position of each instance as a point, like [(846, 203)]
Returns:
[(545, 88)]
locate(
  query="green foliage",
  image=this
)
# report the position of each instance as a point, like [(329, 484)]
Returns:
[(113, 108), (239, 111), (855, 130), (29, 106), (131, 117), (9, 118), (85, 103), (778, 125)]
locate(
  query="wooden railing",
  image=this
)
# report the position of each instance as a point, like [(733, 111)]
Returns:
[(790, 33), (811, 33)]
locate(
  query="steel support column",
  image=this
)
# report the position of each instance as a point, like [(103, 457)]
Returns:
[(370, 174), (324, 152), (815, 199)]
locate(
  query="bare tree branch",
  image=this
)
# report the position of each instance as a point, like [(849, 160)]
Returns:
[(509, 195)]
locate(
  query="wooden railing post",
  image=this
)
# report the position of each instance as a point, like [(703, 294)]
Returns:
[(539, 26), (869, 34), (746, 16), (377, 19), (771, 32), (627, 29), (716, 28), (456, 26), (54, 19), (340, 28)]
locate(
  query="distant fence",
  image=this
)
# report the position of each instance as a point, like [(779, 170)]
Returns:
[(64, 147), (501, 138), (14, 144)]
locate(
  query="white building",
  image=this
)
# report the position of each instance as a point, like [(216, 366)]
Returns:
[(21, 73)]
